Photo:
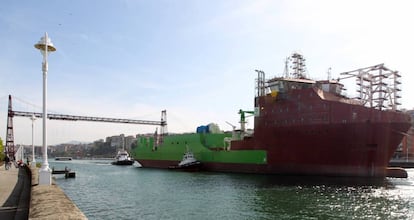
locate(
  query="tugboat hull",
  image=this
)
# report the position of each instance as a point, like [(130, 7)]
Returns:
[(195, 166), (124, 162)]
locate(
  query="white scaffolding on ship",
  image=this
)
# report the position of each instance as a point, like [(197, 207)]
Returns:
[(378, 86)]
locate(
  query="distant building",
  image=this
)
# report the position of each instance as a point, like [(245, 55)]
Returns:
[(120, 141), (116, 141), (129, 140), (98, 142)]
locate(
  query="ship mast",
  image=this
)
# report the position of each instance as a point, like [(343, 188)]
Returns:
[(298, 66), (329, 73), (261, 84), (286, 71)]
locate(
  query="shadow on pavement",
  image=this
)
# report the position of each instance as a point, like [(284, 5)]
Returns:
[(18, 204)]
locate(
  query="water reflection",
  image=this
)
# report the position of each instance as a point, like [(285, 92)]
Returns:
[(103, 191), (300, 197)]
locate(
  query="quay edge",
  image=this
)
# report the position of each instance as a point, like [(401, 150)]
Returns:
[(50, 202)]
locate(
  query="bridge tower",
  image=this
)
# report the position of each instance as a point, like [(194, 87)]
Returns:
[(9, 133)]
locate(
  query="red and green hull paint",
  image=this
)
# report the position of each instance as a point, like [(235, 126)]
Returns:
[(293, 135)]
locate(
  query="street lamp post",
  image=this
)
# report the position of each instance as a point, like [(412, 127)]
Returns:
[(45, 45), (33, 118)]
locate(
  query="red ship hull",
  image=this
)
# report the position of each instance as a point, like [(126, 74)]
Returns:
[(316, 136)]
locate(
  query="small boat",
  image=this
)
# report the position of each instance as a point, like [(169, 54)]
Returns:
[(63, 158), (122, 158), (189, 162)]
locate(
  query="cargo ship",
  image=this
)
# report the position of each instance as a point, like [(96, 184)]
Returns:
[(301, 127)]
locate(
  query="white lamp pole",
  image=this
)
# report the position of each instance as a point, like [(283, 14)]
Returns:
[(33, 118), (45, 45)]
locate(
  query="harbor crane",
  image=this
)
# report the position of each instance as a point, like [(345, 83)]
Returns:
[(243, 118)]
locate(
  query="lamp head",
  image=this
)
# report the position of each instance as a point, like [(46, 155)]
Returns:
[(43, 43)]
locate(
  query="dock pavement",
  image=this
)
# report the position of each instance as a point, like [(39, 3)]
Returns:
[(15, 191), (8, 180), (21, 197)]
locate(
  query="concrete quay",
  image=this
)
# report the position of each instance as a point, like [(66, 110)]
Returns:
[(15, 188), (22, 197)]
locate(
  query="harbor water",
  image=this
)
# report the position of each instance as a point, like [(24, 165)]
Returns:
[(104, 191)]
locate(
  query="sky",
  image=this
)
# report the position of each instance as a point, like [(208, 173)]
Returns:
[(132, 59)]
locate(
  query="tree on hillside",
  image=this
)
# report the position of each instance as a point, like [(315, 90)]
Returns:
[(1, 150)]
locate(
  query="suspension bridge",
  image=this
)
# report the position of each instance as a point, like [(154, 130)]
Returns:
[(9, 147)]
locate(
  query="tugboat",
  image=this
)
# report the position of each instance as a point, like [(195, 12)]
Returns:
[(188, 163), (63, 158), (122, 158)]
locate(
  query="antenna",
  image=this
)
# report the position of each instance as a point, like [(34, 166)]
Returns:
[(329, 73)]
